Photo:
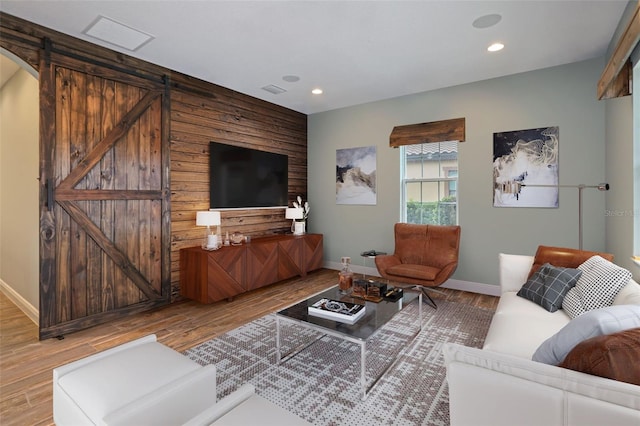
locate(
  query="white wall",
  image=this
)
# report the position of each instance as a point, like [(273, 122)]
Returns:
[(563, 96), (19, 157)]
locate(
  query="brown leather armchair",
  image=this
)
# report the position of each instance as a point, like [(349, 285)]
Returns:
[(424, 256)]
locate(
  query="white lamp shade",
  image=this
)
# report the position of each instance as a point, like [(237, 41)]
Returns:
[(208, 218), (293, 213)]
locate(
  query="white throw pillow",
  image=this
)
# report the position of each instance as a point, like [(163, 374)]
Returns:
[(596, 288)]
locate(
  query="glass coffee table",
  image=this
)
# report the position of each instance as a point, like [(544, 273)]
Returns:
[(375, 317)]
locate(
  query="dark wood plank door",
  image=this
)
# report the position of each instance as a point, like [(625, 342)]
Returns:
[(104, 197)]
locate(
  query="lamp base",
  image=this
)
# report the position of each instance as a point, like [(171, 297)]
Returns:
[(299, 228)]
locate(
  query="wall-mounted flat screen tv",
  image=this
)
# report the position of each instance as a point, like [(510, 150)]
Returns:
[(247, 178)]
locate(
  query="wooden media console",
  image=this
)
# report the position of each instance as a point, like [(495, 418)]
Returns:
[(210, 276)]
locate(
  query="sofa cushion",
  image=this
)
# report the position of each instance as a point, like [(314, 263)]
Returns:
[(419, 272), (590, 324), (564, 257), (519, 326), (614, 356), (629, 295), (597, 287), (549, 285)]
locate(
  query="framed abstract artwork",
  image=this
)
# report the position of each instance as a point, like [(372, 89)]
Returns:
[(525, 168), (356, 176)]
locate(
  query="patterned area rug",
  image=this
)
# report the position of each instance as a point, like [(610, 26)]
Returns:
[(322, 383)]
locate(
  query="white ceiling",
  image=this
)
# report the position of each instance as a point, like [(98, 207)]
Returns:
[(356, 51)]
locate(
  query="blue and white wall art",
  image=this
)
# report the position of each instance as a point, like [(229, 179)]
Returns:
[(525, 168)]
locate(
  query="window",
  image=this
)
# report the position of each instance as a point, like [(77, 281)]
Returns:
[(430, 183)]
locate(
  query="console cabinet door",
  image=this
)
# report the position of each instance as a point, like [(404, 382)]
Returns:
[(313, 252), (290, 258), (262, 264), (226, 273)]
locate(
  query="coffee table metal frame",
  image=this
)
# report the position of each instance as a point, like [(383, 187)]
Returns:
[(376, 316)]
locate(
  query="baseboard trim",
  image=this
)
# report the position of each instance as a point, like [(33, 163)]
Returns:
[(473, 287), (470, 286), (29, 310)]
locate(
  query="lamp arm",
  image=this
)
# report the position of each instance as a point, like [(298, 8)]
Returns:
[(601, 187)]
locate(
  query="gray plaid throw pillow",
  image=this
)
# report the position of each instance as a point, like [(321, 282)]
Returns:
[(548, 286)]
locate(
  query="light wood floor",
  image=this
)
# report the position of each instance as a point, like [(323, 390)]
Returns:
[(26, 364)]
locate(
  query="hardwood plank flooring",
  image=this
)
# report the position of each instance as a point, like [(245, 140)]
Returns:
[(26, 363)]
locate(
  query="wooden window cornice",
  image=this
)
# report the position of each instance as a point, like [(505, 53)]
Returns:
[(615, 79), (434, 131)]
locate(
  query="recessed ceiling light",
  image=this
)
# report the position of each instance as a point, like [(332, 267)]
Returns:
[(487, 21), (317, 91), (113, 32), (495, 47), (291, 78)]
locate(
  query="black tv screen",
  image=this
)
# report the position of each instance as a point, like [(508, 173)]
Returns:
[(247, 178)]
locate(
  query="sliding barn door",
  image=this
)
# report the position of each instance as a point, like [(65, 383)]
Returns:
[(105, 221)]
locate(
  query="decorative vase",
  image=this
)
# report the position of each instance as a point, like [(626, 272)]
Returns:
[(300, 228), (345, 280)]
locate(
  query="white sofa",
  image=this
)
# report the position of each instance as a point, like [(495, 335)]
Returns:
[(501, 385), (146, 383)]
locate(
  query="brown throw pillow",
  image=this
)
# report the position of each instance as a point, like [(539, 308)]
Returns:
[(563, 257), (614, 356)]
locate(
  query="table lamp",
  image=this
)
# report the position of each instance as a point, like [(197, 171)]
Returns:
[(209, 219), (294, 213)]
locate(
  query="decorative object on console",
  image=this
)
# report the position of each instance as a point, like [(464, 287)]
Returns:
[(300, 210), (209, 219), (305, 207), (237, 238), (295, 213)]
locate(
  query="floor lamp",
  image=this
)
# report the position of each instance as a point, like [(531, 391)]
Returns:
[(599, 187)]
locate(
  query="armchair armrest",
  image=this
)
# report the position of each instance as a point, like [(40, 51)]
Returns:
[(445, 273), (385, 261), (514, 270), (223, 406)]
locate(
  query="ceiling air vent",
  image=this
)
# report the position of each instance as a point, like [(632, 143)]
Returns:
[(118, 34), (274, 89)]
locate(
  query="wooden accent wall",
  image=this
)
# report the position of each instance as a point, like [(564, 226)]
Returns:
[(200, 112), (235, 119)]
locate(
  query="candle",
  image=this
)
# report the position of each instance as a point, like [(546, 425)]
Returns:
[(212, 241)]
